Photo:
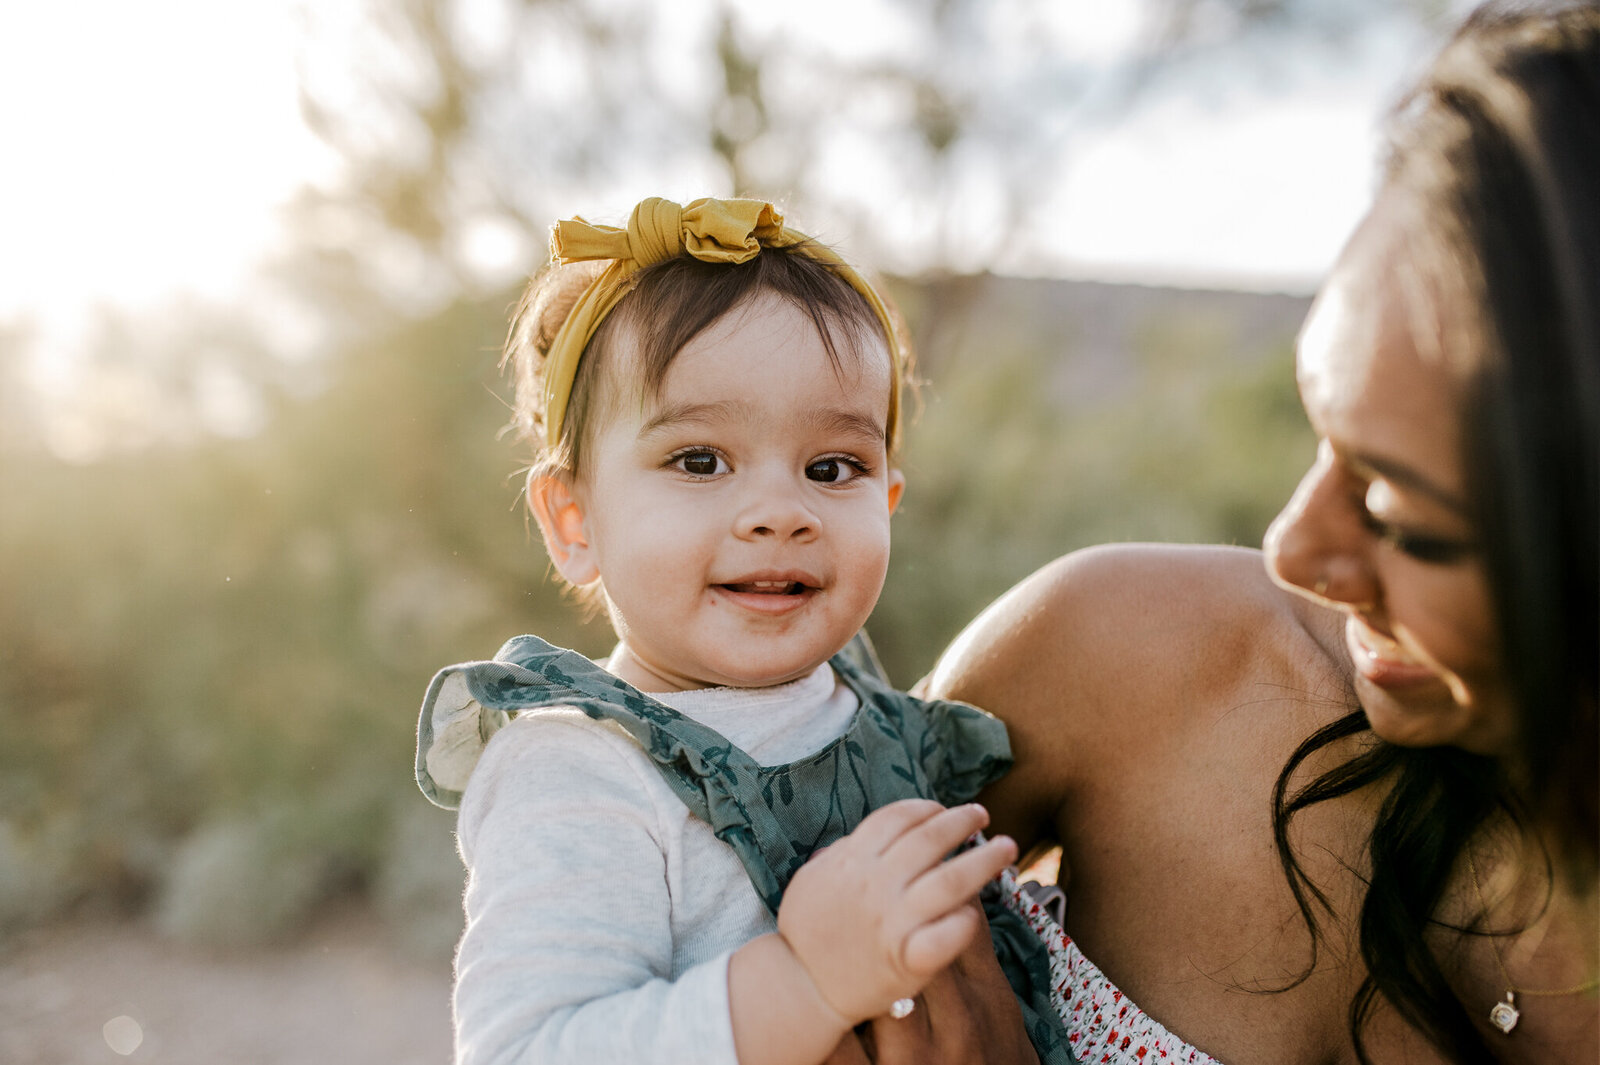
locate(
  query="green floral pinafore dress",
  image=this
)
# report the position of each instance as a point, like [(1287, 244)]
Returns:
[(774, 817)]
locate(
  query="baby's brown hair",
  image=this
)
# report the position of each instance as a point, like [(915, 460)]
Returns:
[(666, 305)]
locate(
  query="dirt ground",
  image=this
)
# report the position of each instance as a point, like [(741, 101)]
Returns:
[(101, 992)]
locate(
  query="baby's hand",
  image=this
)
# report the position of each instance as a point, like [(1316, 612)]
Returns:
[(875, 916)]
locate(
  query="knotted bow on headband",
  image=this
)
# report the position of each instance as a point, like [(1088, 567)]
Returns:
[(713, 231)]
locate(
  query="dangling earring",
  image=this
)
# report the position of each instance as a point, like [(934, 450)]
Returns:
[(1505, 1015)]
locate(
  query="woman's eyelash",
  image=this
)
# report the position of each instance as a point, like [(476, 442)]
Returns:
[(1432, 549)]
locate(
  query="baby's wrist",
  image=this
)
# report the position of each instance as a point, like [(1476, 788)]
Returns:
[(804, 985), (784, 978), (849, 1019)]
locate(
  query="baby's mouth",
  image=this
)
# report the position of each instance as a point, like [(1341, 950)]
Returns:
[(766, 587)]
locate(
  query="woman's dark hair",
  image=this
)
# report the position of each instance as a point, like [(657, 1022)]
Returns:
[(1497, 156)]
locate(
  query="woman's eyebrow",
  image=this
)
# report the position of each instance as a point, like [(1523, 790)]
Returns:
[(1398, 473)]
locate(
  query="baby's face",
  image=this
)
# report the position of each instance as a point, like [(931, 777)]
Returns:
[(740, 519)]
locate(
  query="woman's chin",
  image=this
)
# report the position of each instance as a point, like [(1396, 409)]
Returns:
[(1427, 716)]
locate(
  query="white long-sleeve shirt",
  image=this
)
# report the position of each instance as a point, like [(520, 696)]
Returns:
[(601, 913)]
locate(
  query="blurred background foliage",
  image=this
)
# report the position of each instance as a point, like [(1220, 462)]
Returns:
[(218, 615)]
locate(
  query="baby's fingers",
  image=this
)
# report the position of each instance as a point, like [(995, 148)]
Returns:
[(886, 826), (949, 884), (940, 905), (925, 844), (932, 946)]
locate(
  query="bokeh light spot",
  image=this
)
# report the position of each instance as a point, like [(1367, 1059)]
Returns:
[(123, 1034)]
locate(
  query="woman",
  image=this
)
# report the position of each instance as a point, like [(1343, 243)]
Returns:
[(1357, 822)]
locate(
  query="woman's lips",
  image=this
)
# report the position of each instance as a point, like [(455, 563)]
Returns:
[(1381, 661)]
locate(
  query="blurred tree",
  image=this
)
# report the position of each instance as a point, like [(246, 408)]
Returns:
[(19, 427), (459, 127), (225, 644), (1083, 414)]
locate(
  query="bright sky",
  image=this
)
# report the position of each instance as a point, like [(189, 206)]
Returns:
[(149, 144), (1267, 195), (153, 142)]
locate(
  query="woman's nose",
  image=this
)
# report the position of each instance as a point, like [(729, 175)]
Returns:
[(1318, 544), (775, 506)]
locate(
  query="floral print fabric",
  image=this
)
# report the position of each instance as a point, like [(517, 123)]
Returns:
[(1104, 1027)]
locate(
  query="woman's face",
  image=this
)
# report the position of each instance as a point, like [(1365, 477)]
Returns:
[(1379, 526)]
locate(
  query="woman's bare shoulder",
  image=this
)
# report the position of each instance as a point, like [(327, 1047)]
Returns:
[(1126, 615), (1127, 640)]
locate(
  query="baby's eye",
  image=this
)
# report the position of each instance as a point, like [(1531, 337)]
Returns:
[(836, 469), (699, 462)]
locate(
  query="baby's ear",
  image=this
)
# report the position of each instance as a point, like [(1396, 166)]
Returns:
[(897, 488), (560, 517)]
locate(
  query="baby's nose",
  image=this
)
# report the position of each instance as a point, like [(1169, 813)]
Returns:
[(778, 510)]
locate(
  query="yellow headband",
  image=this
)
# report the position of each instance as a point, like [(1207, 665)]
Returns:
[(713, 231)]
